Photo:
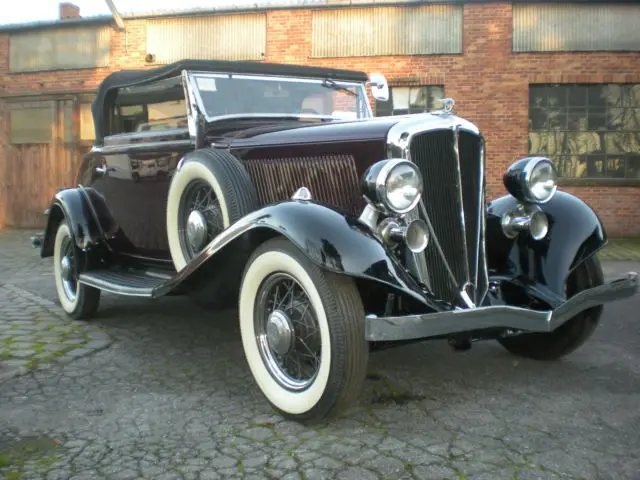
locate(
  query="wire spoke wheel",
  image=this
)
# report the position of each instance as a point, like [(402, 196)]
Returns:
[(287, 332), (200, 216)]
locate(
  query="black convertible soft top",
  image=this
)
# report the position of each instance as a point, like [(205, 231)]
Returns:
[(128, 78)]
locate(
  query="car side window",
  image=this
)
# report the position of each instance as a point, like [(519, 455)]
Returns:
[(154, 106)]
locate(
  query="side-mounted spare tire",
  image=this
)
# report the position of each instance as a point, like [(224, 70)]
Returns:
[(210, 191)]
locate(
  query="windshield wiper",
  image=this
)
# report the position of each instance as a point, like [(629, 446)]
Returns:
[(333, 85)]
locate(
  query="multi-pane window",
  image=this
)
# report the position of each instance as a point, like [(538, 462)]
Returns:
[(414, 99), (589, 131)]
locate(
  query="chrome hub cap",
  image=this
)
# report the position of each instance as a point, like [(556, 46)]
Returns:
[(196, 229), (287, 332), (66, 268), (201, 218), (279, 332)]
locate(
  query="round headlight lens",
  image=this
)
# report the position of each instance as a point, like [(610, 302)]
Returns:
[(542, 181), (402, 187)]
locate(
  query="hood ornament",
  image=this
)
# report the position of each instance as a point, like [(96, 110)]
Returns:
[(447, 104)]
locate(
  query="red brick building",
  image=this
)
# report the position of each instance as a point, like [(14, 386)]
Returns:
[(561, 80)]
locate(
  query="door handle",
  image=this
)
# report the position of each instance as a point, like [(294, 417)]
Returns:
[(104, 169)]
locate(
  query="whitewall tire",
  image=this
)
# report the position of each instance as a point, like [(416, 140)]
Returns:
[(79, 301), (193, 222), (332, 322)]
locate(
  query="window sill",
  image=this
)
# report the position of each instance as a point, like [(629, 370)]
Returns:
[(599, 182)]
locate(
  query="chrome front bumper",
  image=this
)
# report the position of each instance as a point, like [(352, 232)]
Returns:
[(507, 317)]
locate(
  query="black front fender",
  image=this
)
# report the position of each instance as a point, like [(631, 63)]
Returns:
[(85, 212), (575, 233), (331, 239)]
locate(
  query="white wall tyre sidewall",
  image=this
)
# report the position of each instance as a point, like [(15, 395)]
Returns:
[(189, 172), (293, 403), (68, 305)]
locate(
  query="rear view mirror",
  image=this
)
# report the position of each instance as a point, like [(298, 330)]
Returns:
[(379, 87)]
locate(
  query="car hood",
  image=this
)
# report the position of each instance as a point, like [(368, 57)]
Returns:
[(295, 132), (291, 132)]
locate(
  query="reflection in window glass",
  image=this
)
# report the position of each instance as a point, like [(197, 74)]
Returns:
[(589, 131), (414, 99)]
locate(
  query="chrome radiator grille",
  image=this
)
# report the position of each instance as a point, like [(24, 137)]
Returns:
[(451, 163)]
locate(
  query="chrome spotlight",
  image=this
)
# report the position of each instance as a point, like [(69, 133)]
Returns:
[(415, 235), (525, 219)]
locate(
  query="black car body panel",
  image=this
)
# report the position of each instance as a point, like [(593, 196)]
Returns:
[(333, 240), (575, 233), (74, 205)]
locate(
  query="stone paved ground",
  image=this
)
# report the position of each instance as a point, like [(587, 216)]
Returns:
[(172, 397)]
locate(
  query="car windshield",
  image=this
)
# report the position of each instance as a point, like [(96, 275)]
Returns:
[(230, 94)]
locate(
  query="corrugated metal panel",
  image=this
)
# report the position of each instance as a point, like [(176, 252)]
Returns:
[(59, 49), (363, 32), (575, 27), (223, 37)]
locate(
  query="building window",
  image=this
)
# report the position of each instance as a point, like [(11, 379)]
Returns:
[(415, 99), (386, 30), (589, 131), (575, 27), (59, 49)]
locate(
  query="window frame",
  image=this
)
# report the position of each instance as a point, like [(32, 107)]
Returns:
[(154, 92)]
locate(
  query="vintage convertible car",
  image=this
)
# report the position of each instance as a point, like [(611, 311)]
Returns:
[(333, 231)]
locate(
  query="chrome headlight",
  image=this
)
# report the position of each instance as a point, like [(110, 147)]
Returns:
[(393, 185), (532, 180)]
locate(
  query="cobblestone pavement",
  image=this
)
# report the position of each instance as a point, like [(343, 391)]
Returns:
[(172, 397)]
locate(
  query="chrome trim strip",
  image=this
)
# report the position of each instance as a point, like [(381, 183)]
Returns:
[(503, 317), (423, 211), (463, 223), (482, 231), (106, 286), (167, 145), (399, 136)]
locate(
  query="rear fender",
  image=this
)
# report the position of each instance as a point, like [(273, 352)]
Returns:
[(86, 214), (575, 233)]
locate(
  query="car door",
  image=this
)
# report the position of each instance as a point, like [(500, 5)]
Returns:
[(136, 171)]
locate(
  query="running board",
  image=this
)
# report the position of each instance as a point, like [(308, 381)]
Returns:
[(133, 283)]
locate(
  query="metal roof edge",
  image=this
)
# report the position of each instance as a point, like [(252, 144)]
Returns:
[(49, 24), (263, 7)]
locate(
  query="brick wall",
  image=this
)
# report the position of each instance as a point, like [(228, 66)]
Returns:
[(489, 83)]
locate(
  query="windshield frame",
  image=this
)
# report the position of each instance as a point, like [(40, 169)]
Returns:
[(359, 88)]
